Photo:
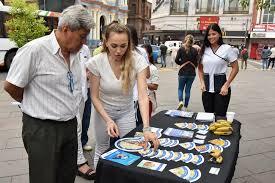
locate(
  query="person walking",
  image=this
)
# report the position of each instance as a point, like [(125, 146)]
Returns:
[(271, 57), (45, 77), (163, 53), (244, 57), (187, 59), (113, 73), (174, 54), (265, 55), (212, 69)]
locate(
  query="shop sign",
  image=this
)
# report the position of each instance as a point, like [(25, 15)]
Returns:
[(258, 35), (271, 27), (259, 28), (207, 20)]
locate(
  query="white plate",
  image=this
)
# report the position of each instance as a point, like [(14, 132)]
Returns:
[(125, 144)]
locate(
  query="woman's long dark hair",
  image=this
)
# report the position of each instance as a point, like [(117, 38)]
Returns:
[(206, 43), (149, 50)]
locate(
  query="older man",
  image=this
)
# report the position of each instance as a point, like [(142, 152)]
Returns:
[(46, 77)]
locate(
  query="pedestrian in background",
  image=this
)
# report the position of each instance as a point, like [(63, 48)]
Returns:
[(244, 57), (265, 56), (153, 81), (113, 73), (141, 51), (187, 58), (174, 54), (215, 56), (163, 53), (83, 119), (45, 77), (271, 57)]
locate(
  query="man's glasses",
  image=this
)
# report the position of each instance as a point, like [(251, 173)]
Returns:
[(70, 77)]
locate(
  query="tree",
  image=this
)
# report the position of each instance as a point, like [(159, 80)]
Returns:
[(260, 5), (25, 25)]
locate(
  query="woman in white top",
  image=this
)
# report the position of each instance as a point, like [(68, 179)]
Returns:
[(215, 57), (113, 73)]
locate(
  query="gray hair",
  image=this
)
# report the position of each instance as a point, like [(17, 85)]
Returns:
[(76, 17)]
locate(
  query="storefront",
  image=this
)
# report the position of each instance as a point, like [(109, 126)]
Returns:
[(263, 35)]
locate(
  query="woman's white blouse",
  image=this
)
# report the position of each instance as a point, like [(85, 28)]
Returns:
[(214, 64)]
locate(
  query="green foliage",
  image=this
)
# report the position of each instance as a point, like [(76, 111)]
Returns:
[(24, 24), (244, 3), (260, 4)]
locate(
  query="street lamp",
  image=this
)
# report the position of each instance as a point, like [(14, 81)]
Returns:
[(186, 18), (245, 33)]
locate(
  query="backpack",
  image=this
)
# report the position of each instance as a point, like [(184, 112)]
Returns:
[(244, 54)]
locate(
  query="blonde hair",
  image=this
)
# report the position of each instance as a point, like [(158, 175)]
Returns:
[(127, 59), (188, 42)]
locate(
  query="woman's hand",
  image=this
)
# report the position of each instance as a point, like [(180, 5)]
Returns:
[(112, 129), (224, 90), (150, 136), (202, 85)]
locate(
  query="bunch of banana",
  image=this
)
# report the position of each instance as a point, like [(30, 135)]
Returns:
[(221, 127), (216, 156)]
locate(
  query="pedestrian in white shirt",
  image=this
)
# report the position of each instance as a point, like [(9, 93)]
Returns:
[(215, 56), (45, 77), (140, 51), (271, 58), (153, 81), (83, 119)]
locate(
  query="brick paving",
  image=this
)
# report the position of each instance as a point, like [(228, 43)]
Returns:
[(252, 99)]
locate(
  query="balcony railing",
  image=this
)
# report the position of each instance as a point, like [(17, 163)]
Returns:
[(206, 11), (235, 10)]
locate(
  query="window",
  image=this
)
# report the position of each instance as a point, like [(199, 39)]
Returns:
[(134, 8), (179, 6), (207, 6), (233, 7), (268, 17)]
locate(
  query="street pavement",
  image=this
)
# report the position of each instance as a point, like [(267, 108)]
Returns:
[(252, 99)]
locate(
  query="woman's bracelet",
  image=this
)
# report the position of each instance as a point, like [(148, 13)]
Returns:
[(146, 129)]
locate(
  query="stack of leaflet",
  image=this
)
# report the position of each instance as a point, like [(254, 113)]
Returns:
[(177, 113), (204, 116)]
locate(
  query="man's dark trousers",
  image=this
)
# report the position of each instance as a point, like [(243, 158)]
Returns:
[(86, 119), (52, 149)]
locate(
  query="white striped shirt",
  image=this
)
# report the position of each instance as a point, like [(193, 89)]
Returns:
[(40, 69)]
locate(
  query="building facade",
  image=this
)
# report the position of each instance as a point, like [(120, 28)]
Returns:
[(262, 31), (173, 19), (139, 15), (103, 12)]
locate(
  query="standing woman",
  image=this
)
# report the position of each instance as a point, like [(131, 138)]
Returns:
[(153, 81), (187, 58), (113, 73), (212, 70)]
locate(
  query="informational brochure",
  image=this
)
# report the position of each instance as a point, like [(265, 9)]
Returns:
[(152, 165), (119, 156), (178, 113), (205, 116), (178, 133)]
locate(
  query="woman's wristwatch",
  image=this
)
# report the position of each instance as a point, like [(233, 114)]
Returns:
[(146, 129)]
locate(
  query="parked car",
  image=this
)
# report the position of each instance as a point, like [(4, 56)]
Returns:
[(156, 53), (171, 44)]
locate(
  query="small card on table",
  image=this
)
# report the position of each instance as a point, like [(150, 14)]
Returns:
[(152, 165)]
